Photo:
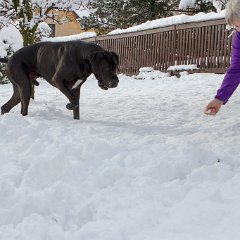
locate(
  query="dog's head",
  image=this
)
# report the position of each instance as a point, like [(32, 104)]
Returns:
[(104, 65)]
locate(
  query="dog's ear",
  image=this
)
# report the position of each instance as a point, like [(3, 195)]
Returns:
[(88, 64), (95, 59), (116, 57)]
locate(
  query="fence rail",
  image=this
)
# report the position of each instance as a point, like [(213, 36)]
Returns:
[(205, 44)]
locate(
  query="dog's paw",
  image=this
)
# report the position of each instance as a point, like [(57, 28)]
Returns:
[(3, 111), (71, 106)]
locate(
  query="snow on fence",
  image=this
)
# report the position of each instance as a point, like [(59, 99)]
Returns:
[(205, 44)]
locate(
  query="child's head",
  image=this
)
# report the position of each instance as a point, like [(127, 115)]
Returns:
[(232, 13)]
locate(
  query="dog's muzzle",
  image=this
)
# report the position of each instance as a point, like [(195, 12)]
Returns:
[(113, 84), (102, 85), (110, 84)]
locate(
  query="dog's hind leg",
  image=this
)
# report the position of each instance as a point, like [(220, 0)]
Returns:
[(25, 94), (22, 81), (14, 100)]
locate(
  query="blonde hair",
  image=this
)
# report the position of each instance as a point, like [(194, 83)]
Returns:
[(232, 11)]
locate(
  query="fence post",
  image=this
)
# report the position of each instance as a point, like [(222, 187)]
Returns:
[(175, 44)]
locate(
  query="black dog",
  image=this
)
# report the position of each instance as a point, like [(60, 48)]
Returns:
[(65, 65)]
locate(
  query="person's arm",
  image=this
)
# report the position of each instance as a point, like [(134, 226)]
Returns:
[(213, 107), (230, 81), (232, 77)]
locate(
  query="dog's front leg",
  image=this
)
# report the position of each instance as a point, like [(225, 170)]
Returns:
[(58, 83), (76, 93), (76, 111)]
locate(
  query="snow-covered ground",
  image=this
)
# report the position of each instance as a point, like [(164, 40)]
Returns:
[(143, 163)]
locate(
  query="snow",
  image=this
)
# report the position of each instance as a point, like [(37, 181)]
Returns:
[(182, 67), (218, 4), (44, 28), (154, 74), (10, 39), (79, 36), (186, 3), (174, 20), (143, 163), (83, 11)]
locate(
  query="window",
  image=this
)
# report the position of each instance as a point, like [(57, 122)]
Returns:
[(52, 26)]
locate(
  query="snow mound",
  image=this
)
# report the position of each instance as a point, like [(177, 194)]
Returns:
[(174, 20), (79, 36), (148, 73)]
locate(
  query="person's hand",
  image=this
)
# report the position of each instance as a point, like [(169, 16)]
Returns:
[(213, 107)]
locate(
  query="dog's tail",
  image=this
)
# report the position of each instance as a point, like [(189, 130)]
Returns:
[(3, 60)]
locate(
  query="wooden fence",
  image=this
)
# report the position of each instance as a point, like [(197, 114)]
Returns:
[(205, 44)]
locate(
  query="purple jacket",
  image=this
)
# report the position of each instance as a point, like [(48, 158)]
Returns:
[(232, 77)]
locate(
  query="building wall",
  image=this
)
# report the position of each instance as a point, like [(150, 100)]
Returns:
[(66, 29)]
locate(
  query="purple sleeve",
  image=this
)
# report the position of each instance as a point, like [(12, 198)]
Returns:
[(232, 77)]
